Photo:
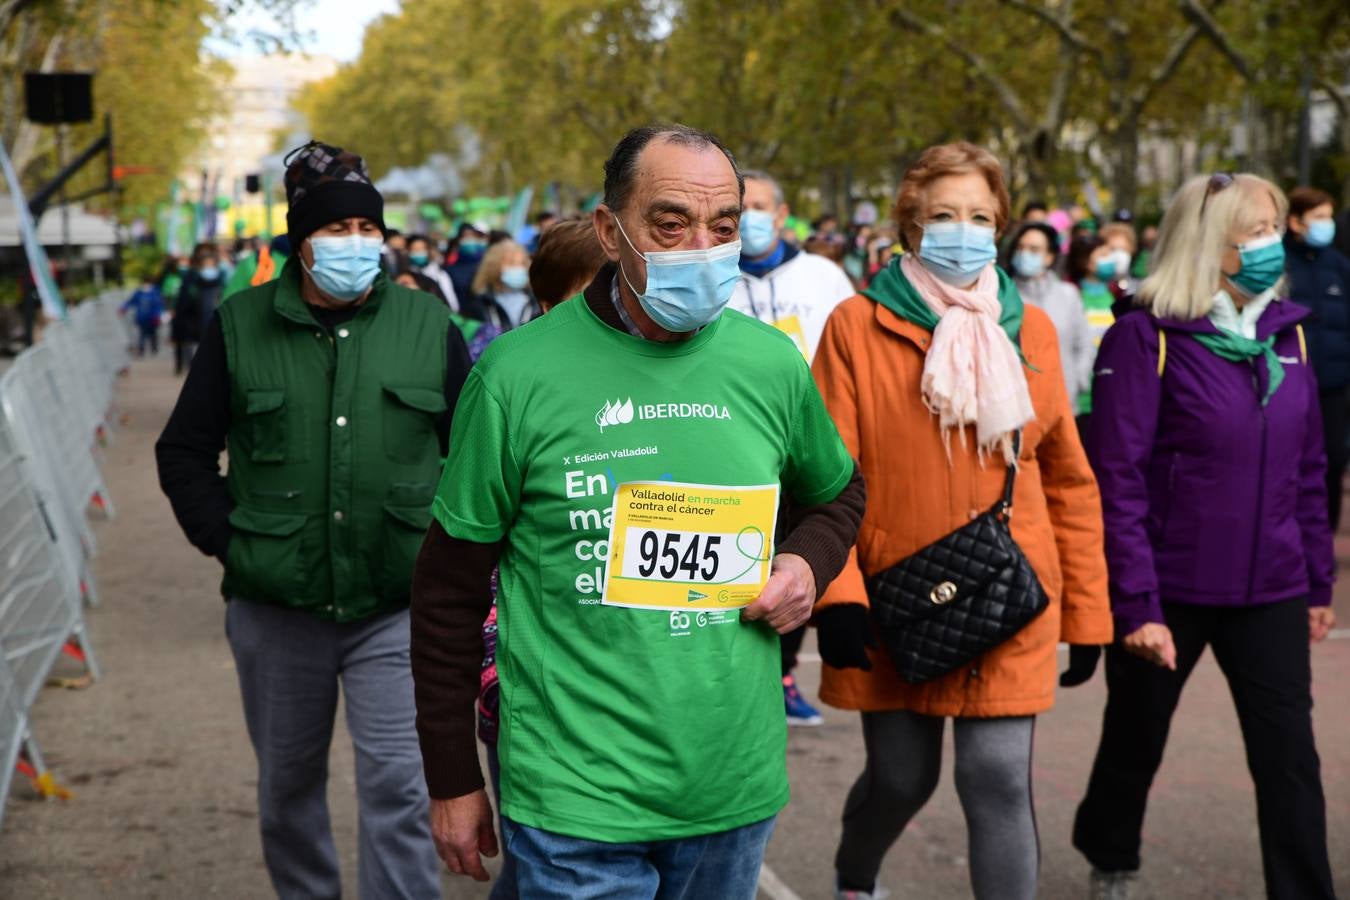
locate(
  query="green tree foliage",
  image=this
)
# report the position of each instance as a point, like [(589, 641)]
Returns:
[(150, 74), (155, 127), (836, 99), (542, 86), (817, 113), (396, 103), (1279, 52)]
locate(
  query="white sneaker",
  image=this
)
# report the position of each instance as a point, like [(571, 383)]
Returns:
[(1111, 885)]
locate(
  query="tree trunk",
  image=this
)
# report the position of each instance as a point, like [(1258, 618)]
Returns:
[(1037, 183), (845, 210), (1341, 99), (827, 190), (1038, 153), (1124, 144), (1262, 142), (1343, 120)]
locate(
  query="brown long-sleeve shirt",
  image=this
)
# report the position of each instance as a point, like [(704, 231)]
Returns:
[(451, 596)]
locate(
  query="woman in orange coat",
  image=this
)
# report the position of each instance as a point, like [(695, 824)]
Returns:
[(930, 375)]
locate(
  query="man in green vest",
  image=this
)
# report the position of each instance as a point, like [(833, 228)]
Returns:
[(332, 388)]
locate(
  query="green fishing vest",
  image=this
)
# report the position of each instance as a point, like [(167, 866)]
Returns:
[(333, 451)]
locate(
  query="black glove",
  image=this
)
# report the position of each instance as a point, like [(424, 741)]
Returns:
[(844, 634), (1082, 663)]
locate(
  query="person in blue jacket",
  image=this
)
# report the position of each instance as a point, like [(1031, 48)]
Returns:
[(1319, 278), (146, 306)]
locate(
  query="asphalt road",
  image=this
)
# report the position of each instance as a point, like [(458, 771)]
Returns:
[(164, 777)]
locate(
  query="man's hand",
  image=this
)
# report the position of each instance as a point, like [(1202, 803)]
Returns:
[(1321, 619), (462, 829), (787, 598), (1154, 643)]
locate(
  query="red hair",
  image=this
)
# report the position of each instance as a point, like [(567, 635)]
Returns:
[(961, 158)]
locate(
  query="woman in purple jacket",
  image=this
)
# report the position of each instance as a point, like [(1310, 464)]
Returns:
[(1206, 440)]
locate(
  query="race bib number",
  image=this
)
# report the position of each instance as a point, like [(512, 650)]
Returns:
[(689, 546), (792, 327)]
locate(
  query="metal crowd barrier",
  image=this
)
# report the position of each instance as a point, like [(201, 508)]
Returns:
[(56, 407)]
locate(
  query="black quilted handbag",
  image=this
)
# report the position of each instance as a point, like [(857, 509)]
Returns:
[(957, 598)]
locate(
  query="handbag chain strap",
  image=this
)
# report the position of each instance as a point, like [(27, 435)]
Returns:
[(1004, 508)]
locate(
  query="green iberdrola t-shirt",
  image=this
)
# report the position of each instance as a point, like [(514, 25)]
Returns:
[(622, 724)]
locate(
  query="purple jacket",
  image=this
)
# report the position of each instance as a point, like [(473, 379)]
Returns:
[(1207, 497)]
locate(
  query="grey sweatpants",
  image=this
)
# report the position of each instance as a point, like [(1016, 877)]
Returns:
[(993, 780), (290, 665)]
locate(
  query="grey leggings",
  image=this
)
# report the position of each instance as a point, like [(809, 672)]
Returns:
[(993, 780)]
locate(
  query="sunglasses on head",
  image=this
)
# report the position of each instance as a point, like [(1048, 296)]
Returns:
[(1217, 182)]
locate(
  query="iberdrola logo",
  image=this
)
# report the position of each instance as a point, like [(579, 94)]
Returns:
[(615, 413)]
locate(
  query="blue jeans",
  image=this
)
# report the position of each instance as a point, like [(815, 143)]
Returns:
[(722, 866), (504, 887), (290, 666)]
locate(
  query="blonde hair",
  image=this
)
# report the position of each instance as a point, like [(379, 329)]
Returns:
[(1184, 273), (489, 273), (1122, 229)]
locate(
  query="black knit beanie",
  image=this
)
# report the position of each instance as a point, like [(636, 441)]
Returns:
[(327, 184)]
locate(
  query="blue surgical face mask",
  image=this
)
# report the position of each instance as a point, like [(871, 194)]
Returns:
[(209, 273), (1262, 264), (419, 259), (687, 289), (1105, 270), (517, 278), (957, 252), (1320, 232), (758, 234), (472, 249), (1028, 263), (345, 267)]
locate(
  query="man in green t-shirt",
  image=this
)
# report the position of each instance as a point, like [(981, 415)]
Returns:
[(624, 460)]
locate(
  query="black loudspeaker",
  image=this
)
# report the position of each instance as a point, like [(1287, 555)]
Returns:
[(253, 183), (59, 98)]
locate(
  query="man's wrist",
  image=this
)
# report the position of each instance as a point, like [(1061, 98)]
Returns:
[(450, 766)]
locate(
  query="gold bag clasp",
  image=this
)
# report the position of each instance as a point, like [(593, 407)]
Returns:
[(943, 593)]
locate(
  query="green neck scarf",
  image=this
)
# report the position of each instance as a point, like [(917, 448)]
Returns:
[(1236, 348), (892, 290), (1236, 340)]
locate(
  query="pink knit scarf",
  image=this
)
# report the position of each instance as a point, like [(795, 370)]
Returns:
[(972, 374)]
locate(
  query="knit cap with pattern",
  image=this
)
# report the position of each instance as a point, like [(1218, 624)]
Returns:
[(327, 184)]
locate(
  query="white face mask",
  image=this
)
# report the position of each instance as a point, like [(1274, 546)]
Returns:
[(1122, 261)]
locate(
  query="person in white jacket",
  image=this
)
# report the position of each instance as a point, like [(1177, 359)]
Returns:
[(781, 285), (795, 292), (1034, 252)]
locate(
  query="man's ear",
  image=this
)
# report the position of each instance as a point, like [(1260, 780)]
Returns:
[(607, 231)]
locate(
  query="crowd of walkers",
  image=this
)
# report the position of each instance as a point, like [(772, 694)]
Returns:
[(578, 496), (482, 275)]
